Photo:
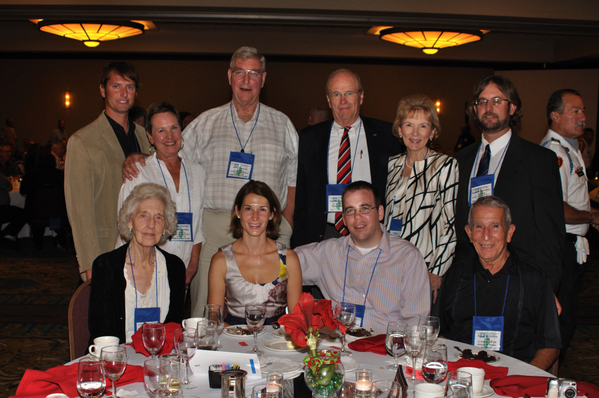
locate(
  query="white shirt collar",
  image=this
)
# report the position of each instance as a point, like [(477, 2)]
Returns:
[(497, 145)]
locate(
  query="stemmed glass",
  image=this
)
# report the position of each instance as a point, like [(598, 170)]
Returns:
[(152, 376), (415, 343), (434, 366), (214, 313), (153, 336), (346, 314), (255, 315), (433, 325), (90, 378), (114, 361), (186, 344), (394, 342)]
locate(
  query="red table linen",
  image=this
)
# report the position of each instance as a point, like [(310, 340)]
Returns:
[(169, 341)]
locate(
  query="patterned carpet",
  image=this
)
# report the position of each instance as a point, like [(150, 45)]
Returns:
[(35, 288)]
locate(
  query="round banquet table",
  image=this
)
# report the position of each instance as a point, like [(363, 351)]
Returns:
[(375, 362)]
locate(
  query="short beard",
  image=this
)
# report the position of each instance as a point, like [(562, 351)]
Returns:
[(493, 128)]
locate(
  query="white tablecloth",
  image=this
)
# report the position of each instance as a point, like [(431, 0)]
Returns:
[(375, 362)]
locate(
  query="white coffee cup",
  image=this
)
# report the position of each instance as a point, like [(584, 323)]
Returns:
[(193, 323), (478, 378), (101, 342), (426, 390)]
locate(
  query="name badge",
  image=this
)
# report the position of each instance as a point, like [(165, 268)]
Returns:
[(480, 187), (241, 165), (395, 227), (184, 232), (334, 192), (146, 315), (359, 315), (487, 332)]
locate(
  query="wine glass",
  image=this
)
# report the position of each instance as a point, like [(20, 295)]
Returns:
[(255, 315), (347, 316), (170, 375), (394, 342), (186, 344), (434, 366), (114, 361), (433, 325), (415, 343), (90, 378), (207, 336), (152, 375), (214, 313), (153, 336)]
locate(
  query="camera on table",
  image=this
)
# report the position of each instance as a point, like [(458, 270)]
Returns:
[(561, 388)]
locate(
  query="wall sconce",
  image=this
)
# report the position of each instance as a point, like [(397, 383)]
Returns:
[(67, 100), (438, 105)]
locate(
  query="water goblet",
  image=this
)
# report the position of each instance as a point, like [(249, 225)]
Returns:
[(434, 365), (394, 342), (433, 325), (153, 336), (114, 362), (214, 313), (346, 314), (152, 375), (415, 343), (186, 344), (255, 315), (90, 378)]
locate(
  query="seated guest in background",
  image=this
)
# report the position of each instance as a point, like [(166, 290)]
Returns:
[(384, 276), (183, 179), (138, 282), (255, 269), (317, 115), (422, 188), (59, 149), (13, 215), (8, 167), (496, 301)]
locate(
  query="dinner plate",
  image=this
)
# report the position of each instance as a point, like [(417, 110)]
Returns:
[(487, 391), (283, 365), (281, 345), (240, 331), (349, 364), (458, 355), (281, 333)]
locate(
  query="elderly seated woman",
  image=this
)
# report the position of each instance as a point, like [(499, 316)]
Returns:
[(138, 282)]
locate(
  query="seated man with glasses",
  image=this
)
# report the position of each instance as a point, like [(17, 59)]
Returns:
[(384, 276)]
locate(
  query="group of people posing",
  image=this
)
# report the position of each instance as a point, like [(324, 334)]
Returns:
[(400, 234)]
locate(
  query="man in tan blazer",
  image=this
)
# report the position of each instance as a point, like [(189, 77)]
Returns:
[(93, 166)]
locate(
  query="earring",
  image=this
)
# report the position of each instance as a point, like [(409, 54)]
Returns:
[(130, 229), (238, 216), (163, 233), (400, 137)]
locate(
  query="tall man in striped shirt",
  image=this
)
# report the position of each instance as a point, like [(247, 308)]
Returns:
[(384, 276)]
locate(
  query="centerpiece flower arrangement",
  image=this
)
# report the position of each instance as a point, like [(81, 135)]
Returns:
[(323, 370)]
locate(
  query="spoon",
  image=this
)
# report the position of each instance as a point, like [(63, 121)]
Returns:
[(457, 348)]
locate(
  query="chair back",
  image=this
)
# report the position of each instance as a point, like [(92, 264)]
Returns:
[(77, 318)]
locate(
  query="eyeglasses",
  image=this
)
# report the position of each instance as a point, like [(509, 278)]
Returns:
[(240, 74), (348, 94), (493, 101), (351, 211)]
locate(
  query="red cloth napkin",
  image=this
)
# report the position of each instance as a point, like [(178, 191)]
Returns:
[(374, 344), (63, 379), (535, 386), (491, 372), (169, 341)]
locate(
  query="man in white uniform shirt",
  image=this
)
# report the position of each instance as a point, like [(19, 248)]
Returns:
[(566, 119)]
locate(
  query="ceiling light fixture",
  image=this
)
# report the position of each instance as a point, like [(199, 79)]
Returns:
[(430, 41), (92, 33)]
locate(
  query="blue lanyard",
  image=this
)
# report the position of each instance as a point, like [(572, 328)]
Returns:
[(371, 276), (355, 152), (186, 180), (133, 274), (251, 132), (504, 299)]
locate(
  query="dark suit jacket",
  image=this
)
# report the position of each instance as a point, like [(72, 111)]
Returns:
[(529, 183), (107, 296), (310, 217)]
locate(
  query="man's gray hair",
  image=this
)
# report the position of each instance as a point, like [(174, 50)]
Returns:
[(143, 192), (335, 73), (492, 201), (246, 52)]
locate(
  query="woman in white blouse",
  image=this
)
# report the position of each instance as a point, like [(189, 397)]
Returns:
[(422, 188)]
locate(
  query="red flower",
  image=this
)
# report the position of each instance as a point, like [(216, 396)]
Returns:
[(308, 317)]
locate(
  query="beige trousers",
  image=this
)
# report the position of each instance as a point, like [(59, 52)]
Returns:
[(216, 232)]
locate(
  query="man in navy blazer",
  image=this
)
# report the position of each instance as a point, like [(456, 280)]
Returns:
[(371, 145), (523, 174)]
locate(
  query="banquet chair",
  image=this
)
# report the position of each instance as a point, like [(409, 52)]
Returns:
[(77, 319)]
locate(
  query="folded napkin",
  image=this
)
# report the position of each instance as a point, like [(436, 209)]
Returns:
[(374, 344), (63, 379), (535, 386), (169, 341), (491, 372)]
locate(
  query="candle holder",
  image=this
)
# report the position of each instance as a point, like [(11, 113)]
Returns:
[(363, 385)]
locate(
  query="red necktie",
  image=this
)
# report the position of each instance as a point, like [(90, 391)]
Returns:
[(343, 174)]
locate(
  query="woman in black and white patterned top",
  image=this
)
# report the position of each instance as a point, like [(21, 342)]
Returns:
[(422, 188)]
